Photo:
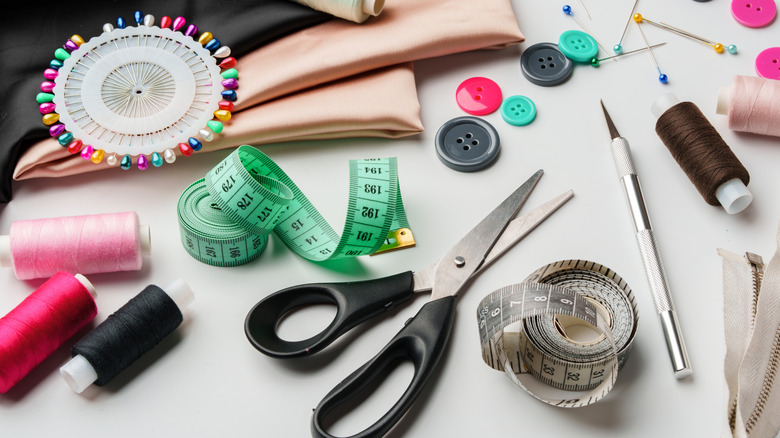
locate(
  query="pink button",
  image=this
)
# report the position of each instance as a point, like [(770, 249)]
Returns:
[(478, 96), (754, 13), (768, 63)]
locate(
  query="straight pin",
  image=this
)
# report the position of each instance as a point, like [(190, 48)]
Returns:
[(582, 5), (661, 77), (718, 47), (618, 49), (567, 10), (595, 61)]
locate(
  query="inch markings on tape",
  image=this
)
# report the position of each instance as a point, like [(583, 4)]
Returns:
[(250, 190), (535, 329)]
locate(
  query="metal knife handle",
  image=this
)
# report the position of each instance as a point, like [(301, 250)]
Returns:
[(621, 152), (651, 259), (656, 276)]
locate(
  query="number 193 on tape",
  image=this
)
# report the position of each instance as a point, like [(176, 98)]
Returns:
[(249, 194)]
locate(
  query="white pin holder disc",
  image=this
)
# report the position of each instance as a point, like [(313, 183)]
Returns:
[(137, 95)]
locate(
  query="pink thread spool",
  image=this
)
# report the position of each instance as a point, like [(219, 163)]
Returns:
[(752, 105), (40, 324), (86, 244)]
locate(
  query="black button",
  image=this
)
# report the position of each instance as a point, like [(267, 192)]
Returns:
[(467, 144), (545, 65)]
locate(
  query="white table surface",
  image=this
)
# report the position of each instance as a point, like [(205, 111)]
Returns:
[(207, 380)]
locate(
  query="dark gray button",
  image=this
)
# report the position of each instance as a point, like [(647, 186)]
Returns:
[(543, 64), (467, 144)]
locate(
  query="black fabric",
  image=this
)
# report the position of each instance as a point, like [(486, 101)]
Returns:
[(31, 33)]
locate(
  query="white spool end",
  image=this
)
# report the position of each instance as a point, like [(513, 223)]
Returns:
[(663, 103), (87, 284), (6, 259), (180, 292), (373, 7), (145, 235), (78, 373), (724, 97), (733, 195)]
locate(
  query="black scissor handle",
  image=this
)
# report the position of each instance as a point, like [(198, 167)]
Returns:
[(355, 302), (421, 342)]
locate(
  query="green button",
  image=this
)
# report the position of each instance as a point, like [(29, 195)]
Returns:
[(518, 110), (578, 46)]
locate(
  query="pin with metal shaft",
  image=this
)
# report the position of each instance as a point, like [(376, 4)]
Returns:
[(717, 46), (656, 277), (596, 62), (618, 48), (567, 10), (661, 77)]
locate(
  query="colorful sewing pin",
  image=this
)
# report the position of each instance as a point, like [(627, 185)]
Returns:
[(595, 62), (661, 77), (618, 48), (717, 46), (567, 10)]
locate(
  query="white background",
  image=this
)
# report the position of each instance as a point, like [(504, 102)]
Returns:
[(207, 380)]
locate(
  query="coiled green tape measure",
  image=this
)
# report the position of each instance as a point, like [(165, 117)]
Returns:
[(249, 197), (548, 304)]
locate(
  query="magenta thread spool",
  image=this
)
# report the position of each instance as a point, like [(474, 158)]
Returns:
[(85, 244), (42, 323)]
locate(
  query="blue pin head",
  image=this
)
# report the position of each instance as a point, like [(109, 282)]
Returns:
[(618, 49), (567, 9), (139, 17), (663, 78)]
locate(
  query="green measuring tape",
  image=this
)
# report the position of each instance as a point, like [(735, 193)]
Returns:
[(225, 218)]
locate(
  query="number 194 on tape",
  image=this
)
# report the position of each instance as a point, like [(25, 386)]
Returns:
[(251, 194)]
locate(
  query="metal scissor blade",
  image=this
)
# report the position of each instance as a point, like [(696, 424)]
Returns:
[(460, 262), (515, 231)]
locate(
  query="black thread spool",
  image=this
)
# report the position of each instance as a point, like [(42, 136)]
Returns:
[(126, 335), (701, 152)]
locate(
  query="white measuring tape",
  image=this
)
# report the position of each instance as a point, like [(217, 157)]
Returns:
[(527, 329)]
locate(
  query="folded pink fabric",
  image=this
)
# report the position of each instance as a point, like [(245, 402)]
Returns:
[(381, 103), (407, 30), (334, 80)]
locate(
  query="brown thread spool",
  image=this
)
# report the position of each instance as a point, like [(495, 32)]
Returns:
[(702, 154)]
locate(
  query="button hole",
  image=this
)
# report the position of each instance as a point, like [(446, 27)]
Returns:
[(552, 65), (466, 147), (469, 135), (543, 67), (459, 140), (758, 9), (549, 58), (479, 88), (475, 142)]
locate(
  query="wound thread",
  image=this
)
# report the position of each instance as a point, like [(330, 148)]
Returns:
[(129, 333), (42, 323), (85, 244), (699, 149), (754, 105)]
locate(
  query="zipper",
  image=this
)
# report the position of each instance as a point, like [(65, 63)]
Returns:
[(757, 275), (770, 373), (757, 271)]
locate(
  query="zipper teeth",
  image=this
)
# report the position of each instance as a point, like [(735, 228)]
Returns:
[(757, 268), (766, 387)]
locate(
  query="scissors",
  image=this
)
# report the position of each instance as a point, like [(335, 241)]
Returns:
[(424, 337)]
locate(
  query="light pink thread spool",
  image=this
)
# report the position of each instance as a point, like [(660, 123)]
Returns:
[(76, 244), (752, 105)]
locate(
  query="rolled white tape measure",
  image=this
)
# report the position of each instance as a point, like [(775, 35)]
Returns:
[(530, 330)]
